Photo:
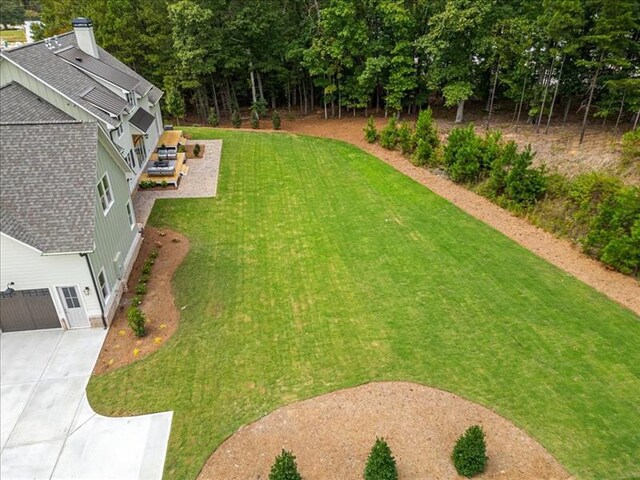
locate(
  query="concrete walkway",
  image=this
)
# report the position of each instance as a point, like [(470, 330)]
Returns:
[(48, 429), (200, 182)]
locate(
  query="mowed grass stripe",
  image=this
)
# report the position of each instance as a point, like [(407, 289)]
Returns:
[(319, 267)]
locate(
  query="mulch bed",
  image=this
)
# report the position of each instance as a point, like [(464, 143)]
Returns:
[(122, 347), (331, 436)]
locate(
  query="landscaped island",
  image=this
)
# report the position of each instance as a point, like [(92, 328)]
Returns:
[(319, 267)]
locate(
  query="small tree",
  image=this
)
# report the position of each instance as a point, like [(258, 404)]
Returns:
[(470, 452), (285, 467), (196, 149), (370, 131), (236, 121), (255, 119), (406, 139), (135, 319), (389, 135), (426, 139), (380, 464), (275, 119), (213, 119)]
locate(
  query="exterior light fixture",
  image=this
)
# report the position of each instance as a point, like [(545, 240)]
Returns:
[(9, 289), (87, 290)]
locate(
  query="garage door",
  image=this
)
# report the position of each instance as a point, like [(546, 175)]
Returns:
[(27, 310)]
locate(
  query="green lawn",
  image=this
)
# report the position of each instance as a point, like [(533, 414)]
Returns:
[(319, 267), (12, 36)]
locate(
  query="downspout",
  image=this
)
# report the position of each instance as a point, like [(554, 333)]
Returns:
[(95, 287)]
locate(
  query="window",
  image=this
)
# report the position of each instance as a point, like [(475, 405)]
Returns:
[(141, 152), (131, 160), (119, 130), (131, 98), (104, 287), (71, 297), (104, 191), (131, 215)]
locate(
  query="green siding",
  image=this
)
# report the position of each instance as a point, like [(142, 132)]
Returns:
[(113, 231)]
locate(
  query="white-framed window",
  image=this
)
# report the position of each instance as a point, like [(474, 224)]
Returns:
[(131, 215), (119, 130), (131, 98), (105, 194), (131, 160), (104, 285)]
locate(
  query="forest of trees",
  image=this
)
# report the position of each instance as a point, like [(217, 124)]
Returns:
[(540, 59)]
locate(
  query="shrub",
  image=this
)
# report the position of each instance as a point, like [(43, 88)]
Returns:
[(500, 168), (275, 119), (144, 278), (260, 107), (196, 149), (470, 452), (405, 139), (213, 119), (370, 131), (255, 119), (135, 319), (631, 146), (147, 184), (285, 467), (163, 184), (380, 464), (236, 121), (146, 267), (425, 139), (137, 300), (141, 288), (153, 255), (614, 236), (525, 185), (463, 154), (389, 135)]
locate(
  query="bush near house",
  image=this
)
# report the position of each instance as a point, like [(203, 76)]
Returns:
[(275, 120), (470, 452), (380, 464), (135, 320), (197, 149), (426, 139), (285, 467), (406, 140)]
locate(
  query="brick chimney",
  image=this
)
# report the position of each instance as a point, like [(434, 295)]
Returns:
[(83, 28)]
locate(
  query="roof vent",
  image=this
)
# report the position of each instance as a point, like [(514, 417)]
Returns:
[(78, 59)]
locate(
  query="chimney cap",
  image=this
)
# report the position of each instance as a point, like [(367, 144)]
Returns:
[(82, 22)]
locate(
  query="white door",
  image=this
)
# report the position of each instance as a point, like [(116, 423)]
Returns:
[(76, 316)]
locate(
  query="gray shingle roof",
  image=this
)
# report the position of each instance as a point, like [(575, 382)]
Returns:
[(47, 198), (83, 60), (54, 70), (17, 105), (142, 119), (111, 103)]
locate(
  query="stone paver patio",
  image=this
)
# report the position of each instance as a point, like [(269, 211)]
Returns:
[(200, 182)]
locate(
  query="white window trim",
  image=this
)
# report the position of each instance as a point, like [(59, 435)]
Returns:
[(106, 285), (131, 214), (105, 211)]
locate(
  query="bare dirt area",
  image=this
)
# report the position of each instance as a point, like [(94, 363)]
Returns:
[(331, 436), (122, 347), (561, 253)]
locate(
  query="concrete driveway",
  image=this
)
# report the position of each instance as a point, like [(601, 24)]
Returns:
[(47, 428)]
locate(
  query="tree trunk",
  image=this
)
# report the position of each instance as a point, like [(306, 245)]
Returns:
[(215, 97), (289, 96), (377, 99), (555, 95), (566, 111), (460, 112), (306, 102), (253, 83), (260, 86), (635, 124), (524, 88), (624, 93), (544, 95), (493, 94), (591, 90), (311, 95), (339, 99)]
